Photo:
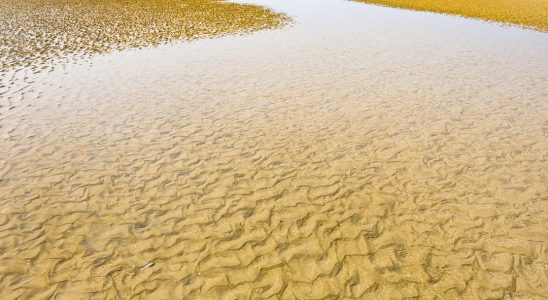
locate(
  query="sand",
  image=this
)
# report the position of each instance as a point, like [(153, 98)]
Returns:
[(528, 13), (382, 154), (35, 32)]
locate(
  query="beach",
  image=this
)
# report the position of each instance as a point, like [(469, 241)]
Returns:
[(350, 151)]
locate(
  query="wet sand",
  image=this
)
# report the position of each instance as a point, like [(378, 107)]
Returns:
[(371, 153), (528, 13), (35, 32)]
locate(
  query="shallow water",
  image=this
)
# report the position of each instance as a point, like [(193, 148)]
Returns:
[(362, 152)]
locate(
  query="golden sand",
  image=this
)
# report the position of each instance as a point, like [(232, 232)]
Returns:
[(529, 13), (345, 164), (265, 193), (33, 32)]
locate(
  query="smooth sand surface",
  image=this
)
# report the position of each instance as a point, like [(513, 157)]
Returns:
[(529, 13), (364, 152)]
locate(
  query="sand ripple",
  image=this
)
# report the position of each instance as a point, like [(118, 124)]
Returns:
[(350, 174)]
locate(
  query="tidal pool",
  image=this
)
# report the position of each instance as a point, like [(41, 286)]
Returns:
[(361, 152)]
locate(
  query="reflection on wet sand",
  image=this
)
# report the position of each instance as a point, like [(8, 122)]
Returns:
[(358, 158)]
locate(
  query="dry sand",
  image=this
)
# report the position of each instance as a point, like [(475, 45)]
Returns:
[(528, 13), (34, 32)]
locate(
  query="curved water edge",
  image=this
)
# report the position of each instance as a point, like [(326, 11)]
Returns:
[(362, 152)]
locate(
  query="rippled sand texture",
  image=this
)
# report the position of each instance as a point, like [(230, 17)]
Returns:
[(529, 13), (34, 32), (353, 160)]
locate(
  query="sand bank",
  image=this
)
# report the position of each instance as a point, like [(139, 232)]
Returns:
[(528, 13), (33, 32)]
